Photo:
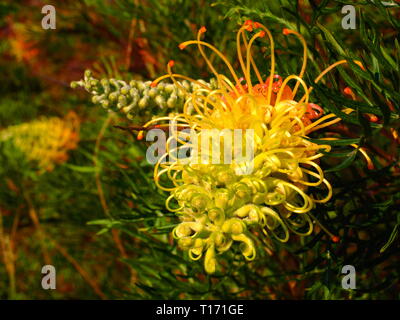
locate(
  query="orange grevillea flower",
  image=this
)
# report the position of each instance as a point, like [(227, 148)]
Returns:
[(45, 141), (218, 206)]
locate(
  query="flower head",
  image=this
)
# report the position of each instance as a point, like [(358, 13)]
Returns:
[(218, 206), (45, 141)]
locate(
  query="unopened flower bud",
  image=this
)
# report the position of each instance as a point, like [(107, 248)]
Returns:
[(172, 101), (160, 101), (113, 96), (143, 103), (125, 89), (153, 93)]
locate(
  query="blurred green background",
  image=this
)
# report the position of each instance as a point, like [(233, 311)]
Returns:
[(98, 217)]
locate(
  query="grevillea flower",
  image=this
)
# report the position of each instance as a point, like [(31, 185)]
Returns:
[(219, 205), (45, 141), (216, 205)]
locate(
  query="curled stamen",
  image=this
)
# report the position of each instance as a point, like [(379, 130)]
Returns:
[(241, 32), (272, 72), (201, 31), (323, 73), (366, 156), (248, 55), (231, 69), (304, 66)]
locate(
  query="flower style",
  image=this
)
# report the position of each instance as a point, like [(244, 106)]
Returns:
[(216, 205), (45, 141)]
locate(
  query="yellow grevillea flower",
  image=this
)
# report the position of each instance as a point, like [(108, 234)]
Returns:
[(218, 206), (45, 141)]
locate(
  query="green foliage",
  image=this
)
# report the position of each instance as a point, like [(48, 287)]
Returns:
[(106, 187)]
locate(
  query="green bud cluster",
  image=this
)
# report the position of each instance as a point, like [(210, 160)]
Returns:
[(137, 98)]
